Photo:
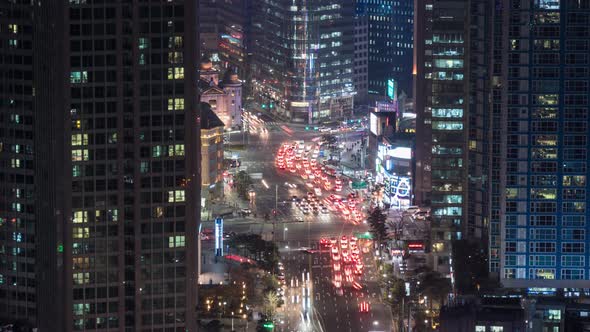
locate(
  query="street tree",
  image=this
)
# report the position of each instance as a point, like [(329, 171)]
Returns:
[(376, 221), (242, 181), (269, 306)]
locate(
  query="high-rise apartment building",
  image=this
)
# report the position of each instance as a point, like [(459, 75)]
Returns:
[(303, 58), (391, 28), (546, 81), (101, 119), (18, 232), (453, 80)]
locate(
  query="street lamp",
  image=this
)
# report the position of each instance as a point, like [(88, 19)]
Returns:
[(284, 231)]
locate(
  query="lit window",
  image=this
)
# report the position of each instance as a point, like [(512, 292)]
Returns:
[(176, 73), (496, 329), (81, 232), (176, 150), (175, 57), (175, 104), (143, 43), (478, 328), (175, 42), (156, 151), (81, 278), (176, 196), (79, 77), (80, 155), (176, 241), (81, 308), (79, 139), (13, 28), (15, 163), (80, 217)]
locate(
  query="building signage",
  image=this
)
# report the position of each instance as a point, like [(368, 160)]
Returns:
[(218, 236), (391, 89)]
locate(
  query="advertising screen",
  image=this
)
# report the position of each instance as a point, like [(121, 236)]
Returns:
[(374, 125)]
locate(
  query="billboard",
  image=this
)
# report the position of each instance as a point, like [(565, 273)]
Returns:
[(398, 191), (392, 89), (374, 124)]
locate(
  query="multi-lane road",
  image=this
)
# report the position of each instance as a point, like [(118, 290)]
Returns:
[(327, 308)]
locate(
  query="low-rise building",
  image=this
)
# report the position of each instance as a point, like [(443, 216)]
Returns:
[(224, 96), (211, 155)]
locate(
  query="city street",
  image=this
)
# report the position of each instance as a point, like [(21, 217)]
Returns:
[(298, 234)]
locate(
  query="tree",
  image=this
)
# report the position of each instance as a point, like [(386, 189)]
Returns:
[(243, 181), (266, 253), (434, 286), (376, 221), (269, 307), (470, 260)]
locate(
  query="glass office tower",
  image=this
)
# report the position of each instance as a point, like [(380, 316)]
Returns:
[(391, 29), (303, 58), (547, 75)]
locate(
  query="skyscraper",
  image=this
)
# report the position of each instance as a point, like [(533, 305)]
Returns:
[(452, 76), (546, 77), (303, 58), (391, 28), (18, 233), (109, 92)]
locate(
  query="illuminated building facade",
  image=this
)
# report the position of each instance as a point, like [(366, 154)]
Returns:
[(303, 58), (211, 153), (545, 217), (107, 238), (452, 72), (390, 37), (394, 169), (224, 96)]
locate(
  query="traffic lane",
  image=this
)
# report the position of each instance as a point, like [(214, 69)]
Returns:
[(341, 312)]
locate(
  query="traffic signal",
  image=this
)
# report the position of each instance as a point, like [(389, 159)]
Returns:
[(268, 325), (306, 127), (263, 106), (270, 105)]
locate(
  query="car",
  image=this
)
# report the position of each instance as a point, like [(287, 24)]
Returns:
[(315, 210), (356, 285), (294, 198), (246, 212), (364, 307), (333, 241), (336, 257), (324, 210), (344, 239), (324, 242), (310, 194), (334, 250), (336, 266), (305, 210), (343, 245), (299, 220)]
